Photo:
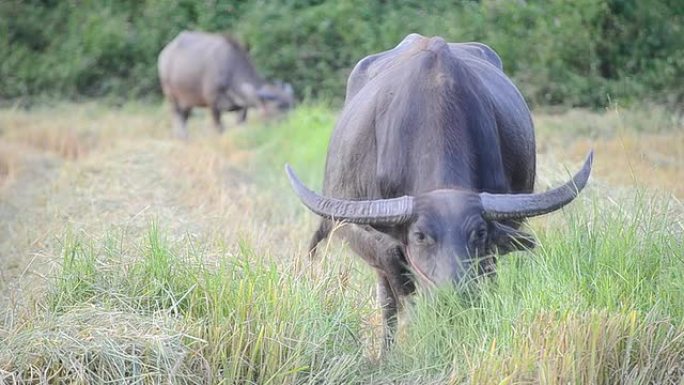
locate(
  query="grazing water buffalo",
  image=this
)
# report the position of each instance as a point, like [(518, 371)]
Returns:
[(432, 167), (198, 69)]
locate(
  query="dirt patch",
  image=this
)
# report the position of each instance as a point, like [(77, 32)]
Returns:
[(644, 149), (189, 189), (5, 169), (67, 144), (26, 230), (651, 161), (67, 139)]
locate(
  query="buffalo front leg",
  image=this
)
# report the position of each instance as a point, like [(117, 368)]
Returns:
[(394, 287), (389, 304), (216, 117), (242, 115), (181, 115), (395, 282)]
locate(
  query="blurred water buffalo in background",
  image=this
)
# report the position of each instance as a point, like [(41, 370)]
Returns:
[(432, 167), (199, 69)]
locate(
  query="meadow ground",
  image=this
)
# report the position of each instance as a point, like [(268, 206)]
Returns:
[(128, 256)]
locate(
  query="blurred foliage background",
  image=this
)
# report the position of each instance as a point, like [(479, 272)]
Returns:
[(588, 53)]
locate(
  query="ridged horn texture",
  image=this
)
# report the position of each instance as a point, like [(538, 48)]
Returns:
[(512, 206), (371, 212)]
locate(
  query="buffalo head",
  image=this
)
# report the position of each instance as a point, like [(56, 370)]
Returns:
[(444, 231), (277, 96)]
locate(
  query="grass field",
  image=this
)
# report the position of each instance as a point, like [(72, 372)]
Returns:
[(129, 257)]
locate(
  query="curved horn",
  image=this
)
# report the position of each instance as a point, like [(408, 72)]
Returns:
[(371, 212), (511, 206)]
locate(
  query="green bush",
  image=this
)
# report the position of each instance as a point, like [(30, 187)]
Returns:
[(574, 53)]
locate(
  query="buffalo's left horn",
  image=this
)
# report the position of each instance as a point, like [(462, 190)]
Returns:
[(512, 206), (371, 212)]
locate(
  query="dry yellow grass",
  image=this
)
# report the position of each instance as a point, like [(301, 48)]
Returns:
[(8, 157), (644, 148), (550, 348), (91, 168)]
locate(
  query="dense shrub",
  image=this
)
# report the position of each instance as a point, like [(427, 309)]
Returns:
[(577, 53)]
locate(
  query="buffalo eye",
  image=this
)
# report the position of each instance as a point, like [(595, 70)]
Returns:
[(481, 233), (478, 238), (420, 238)]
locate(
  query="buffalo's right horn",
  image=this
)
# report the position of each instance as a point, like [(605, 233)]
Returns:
[(371, 212), (512, 206)]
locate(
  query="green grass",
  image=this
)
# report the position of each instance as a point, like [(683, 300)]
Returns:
[(598, 302), (168, 315), (300, 140)]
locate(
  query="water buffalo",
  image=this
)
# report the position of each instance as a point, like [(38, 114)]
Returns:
[(431, 166), (199, 69)]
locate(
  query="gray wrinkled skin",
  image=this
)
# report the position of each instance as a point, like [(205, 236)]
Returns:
[(198, 69)]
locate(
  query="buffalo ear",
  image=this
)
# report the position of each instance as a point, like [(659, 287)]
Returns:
[(505, 239)]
